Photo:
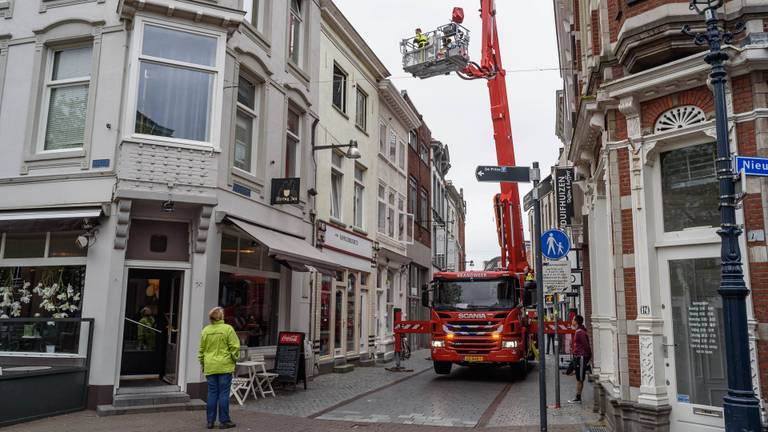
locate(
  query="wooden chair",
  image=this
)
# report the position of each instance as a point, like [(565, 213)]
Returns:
[(241, 386), (263, 378)]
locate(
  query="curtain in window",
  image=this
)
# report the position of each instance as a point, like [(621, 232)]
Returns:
[(174, 102)]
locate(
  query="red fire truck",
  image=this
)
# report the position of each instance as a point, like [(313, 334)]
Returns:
[(478, 317)]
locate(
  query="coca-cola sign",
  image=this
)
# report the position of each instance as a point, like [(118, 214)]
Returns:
[(290, 338)]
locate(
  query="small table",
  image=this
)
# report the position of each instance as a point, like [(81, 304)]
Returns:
[(251, 366)]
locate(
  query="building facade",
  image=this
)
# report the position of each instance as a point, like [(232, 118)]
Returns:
[(394, 228), (637, 119), (457, 213), (441, 163), (174, 137), (345, 316), (419, 204)]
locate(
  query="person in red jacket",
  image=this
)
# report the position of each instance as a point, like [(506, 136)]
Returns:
[(582, 355)]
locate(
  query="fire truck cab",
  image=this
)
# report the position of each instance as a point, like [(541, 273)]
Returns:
[(478, 317)]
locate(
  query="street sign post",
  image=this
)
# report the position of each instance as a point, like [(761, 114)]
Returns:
[(556, 275), (752, 166), (555, 244), (514, 174)]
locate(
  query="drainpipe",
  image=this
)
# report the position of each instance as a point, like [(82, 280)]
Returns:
[(312, 215)]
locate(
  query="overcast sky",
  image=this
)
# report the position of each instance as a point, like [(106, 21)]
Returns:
[(458, 111)]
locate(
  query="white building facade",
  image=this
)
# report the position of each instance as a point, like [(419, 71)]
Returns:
[(161, 131)]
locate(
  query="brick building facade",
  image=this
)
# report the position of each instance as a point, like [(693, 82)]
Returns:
[(638, 123)]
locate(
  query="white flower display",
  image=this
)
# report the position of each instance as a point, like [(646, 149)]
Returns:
[(56, 301)]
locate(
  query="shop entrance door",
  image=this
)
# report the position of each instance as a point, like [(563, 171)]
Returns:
[(151, 335)]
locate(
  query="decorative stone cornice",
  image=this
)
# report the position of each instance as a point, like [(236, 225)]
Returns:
[(208, 13), (397, 104)]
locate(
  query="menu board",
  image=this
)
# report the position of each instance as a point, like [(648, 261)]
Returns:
[(702, 325), (289, 361)]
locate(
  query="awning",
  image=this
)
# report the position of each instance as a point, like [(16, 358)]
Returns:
[(292, 251), (41, 220)]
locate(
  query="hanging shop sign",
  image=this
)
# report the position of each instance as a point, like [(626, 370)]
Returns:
[(564, 195), (285, 190)]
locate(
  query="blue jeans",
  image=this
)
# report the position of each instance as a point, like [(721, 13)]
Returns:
[(218, 397)]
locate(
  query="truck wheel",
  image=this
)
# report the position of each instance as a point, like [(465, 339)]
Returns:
[(443, 368)]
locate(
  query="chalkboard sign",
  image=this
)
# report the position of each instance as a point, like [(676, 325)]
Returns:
[(289, 361)]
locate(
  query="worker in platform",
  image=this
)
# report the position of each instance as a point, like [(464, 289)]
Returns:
[(420, 40)]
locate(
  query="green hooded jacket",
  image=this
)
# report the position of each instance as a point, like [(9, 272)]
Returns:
[(219, 348)]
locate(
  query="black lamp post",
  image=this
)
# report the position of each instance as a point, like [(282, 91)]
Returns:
[(741, 407)]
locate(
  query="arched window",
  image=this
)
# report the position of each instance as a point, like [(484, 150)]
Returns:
[(679, 117)]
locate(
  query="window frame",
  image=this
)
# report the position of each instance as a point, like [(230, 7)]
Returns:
[(359, 210), (297, 141), (392, 146), (49, 84), (300, 18), (255, 117), (361, 123), (424, 208), (345, 81), (136, 57), (260, 12), (337, 171), (401, 159), (381, 209), (383, 139)]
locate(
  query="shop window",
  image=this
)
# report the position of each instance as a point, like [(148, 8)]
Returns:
[(62, 245), (228, 250), (351, 299), (697, 310), (249, 254), (24, 245), (325, 315), (689, 188), (46, 291), (338, 319), (251, 307), (243, 254)]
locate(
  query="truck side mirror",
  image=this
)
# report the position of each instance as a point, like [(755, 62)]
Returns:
[(425, 296), (529, 293)]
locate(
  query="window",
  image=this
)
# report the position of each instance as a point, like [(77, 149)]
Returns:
[(689, 188), (250, 306), (391, 214), (177, 76), (44, 291), (382, 215), (361, 113), (325, 315), (382, 138), (295, 29), (424, 153), (423, 208), (339, 98), (246, 128), (359, 192), (67, 84), (401, 155), (254, 13), (413, 140), (401, 218), (413, 195), (351, 300), (293, 144), (392, 145), (390, 300), (336, 183), (699, 337)]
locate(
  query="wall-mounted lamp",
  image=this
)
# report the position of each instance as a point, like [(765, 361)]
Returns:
[(352, 151)]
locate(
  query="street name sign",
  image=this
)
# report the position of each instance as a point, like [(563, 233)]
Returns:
[(554, 244), (513, 174), (752, 166), (556, 276)]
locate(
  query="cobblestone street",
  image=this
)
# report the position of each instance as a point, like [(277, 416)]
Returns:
[(376, 400)]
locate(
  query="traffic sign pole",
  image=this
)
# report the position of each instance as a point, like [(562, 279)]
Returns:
[(540, 305), (557, 352)]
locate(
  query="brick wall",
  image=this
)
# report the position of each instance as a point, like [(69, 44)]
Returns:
[(699, 96), (742, 93), (595, 33), (633, 351), (624, 174)]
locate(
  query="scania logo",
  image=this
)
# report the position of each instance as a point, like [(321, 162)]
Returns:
[(471, 316)]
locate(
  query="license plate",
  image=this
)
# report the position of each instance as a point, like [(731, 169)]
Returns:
[(474, 358)]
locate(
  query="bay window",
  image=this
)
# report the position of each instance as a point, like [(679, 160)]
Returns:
[(67, 83), (177, 83), (246, 129)]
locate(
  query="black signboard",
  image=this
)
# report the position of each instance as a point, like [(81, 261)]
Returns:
[(564, 195), (289, 361), (285, 190), (503, 174), (545, 187)]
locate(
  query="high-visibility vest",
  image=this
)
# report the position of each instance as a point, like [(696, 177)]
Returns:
[(420, 40)]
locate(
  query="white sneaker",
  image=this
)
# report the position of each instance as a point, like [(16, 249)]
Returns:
[(575, 401)]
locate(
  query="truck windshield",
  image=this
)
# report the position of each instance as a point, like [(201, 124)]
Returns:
[(475, 295)]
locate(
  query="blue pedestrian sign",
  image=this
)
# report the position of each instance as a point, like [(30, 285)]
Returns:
[(752, 166), (555, 244)]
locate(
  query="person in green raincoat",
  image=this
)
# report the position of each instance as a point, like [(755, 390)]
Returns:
[(219, 351)]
